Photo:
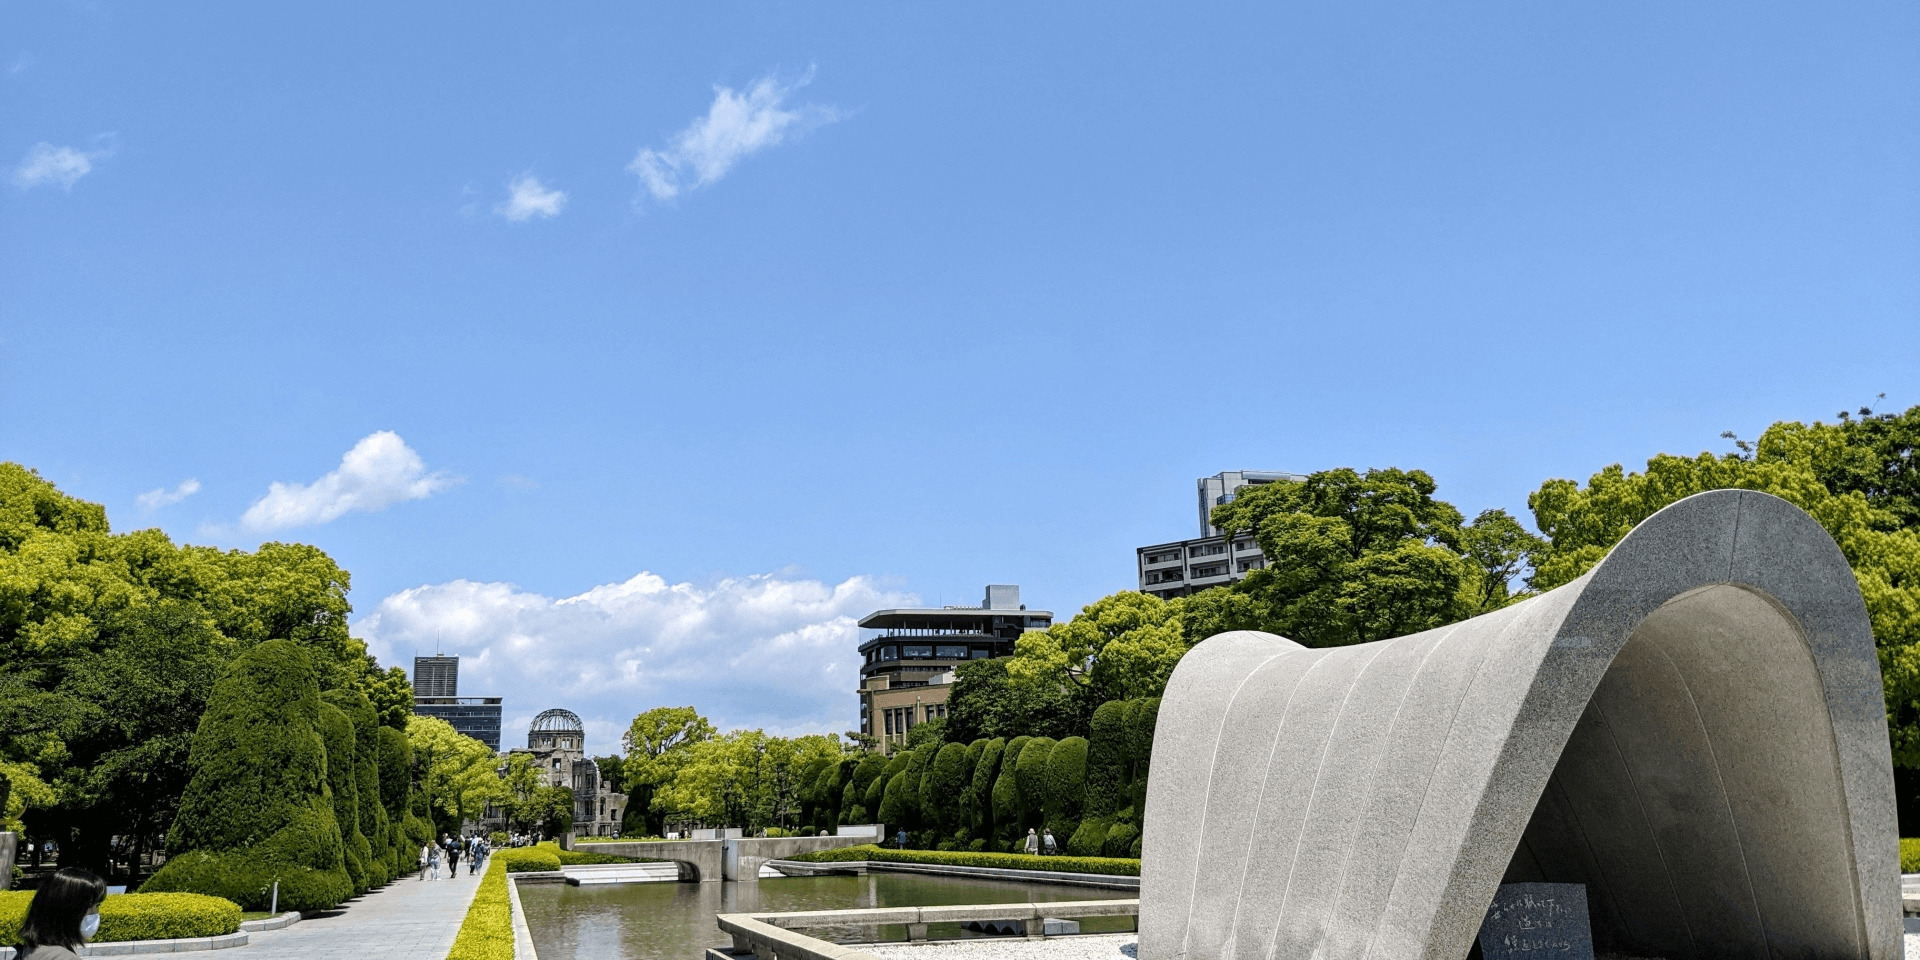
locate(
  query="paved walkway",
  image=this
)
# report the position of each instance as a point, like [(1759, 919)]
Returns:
[(406, 920)]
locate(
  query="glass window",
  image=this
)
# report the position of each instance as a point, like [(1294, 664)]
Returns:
[(951, 653), (981, 653), (916, 651), (889, 653)]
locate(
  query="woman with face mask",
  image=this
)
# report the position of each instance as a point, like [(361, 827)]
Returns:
[(64, 913)]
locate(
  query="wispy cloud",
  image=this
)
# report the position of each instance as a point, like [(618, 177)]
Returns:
[(528, 197), (47, 164), (20, 63), (736, 125), (380, 471), (162, 497), (770, 650)]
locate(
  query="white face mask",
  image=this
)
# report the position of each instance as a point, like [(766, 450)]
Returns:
[(89, 925)]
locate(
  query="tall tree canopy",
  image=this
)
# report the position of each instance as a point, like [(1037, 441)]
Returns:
[(1854, 477), (111, 644)]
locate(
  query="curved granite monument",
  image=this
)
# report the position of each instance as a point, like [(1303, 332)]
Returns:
[(1694, 729)]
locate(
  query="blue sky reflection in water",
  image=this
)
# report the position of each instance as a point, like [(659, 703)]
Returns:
[(674, 921)]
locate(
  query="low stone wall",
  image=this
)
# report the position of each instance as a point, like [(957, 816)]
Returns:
[(773, 936), (795, 868)]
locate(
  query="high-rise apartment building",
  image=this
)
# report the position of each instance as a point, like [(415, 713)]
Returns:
[(436, 693), (1181, 567), (909, 656)]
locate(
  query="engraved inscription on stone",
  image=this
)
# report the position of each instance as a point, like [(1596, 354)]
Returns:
[(1537, 921)]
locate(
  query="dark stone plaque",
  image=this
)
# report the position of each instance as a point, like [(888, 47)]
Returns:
[(1537, 921)]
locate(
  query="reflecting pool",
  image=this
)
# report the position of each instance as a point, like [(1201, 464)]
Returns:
[(675, 921)]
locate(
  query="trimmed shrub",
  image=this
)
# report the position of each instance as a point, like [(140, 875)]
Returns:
[(1012, 861), (138, 916), (877, 788), (337, 731), (257, 807), (1107, 760), (374, 824), (1141, 716), (980, 814), (1121, 841), (1066, 784), (894, 807), (941, 788), (487, 932), (1030, 773), (527, 859), (1909, 855), (396, 792), (1090, 839), (1134, 851)]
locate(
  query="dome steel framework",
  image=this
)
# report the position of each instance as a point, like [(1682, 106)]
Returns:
[(557, 721)]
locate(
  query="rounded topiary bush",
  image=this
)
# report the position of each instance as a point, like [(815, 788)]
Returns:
[(1030, 772), (980, 818), (257, 807), (1089, 839), (1107, 760), (942, 787), (528, 859), (1120, 841), (395, 773), (366, 781), (337, 731)]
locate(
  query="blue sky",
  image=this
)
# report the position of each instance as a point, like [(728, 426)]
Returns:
[(798, 308)]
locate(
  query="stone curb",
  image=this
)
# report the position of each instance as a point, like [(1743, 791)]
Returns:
[(522, 936), (799, 868), (125, 948), (280, 922)]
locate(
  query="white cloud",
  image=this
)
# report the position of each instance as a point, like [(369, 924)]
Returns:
[(768, 650), (528, 197), (20, 63), (46, 163), (162, 497), (737, 124), (380, 471)]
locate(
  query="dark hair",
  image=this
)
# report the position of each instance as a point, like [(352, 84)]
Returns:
[(58, 906)]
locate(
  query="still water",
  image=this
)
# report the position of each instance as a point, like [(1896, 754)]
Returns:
[(675, 921)]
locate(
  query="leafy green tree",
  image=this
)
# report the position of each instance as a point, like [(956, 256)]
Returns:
[(395, 759), (257, 808), (1352, 557), (658, 743), (744, 778), (456, 774), (1499, 550), (987, 701), (1795, 462)]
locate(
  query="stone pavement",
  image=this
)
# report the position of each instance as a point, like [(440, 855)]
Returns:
[(407, 919)]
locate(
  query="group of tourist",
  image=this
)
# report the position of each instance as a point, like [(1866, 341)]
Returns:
[(452, 849)]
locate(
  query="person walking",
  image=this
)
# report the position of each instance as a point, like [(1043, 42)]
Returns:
[(1033, 843), (62, 916), (901, 839), (433, 862), (453, 859), (1047, 846)]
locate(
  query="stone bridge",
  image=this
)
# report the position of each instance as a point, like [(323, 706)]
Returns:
[(707, 860)]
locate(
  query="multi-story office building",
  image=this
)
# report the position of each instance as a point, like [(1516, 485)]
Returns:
[(1175, 569), (436, 693), (909, 656)]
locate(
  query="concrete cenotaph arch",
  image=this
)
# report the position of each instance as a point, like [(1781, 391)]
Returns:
[(1694, 730)]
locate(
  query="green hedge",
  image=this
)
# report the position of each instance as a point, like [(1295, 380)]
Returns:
[(487, 932), (137, 916), (527, 859), (1113, 866), (1909, 855), (575, 858)]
